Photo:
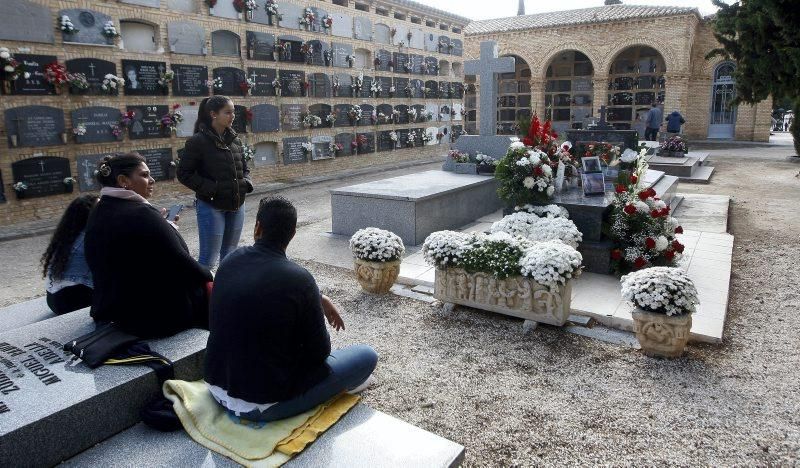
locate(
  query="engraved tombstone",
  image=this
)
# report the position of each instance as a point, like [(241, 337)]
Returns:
[(266, 153), (186, 127), (147, 122), (342, 25), (342, 118), (141, 77), (431, 42), (35, 126), (320, 49), (433, 108), (35, 84), (400, 62), (416, 87), (386, 84), (186, 37), (344, 139), (400, 35), (444, 113), (89, 25), (160, 163), (340, 87), (402, 138), (97, 121), (385, 56), (321, 111), (190, 80), (292, 116), (340, 53), (433, 89), (365, 90), (292, 83), (458, 108), (224, 9), (416, 63), (385, 142), (231, 78), (320, 85), (431, 64), (403, 117), (94, 70), (260, 46), (266, 118), (240, 119), (443, 45), (225, 44), (386, 110), (366, 114), (382, 34), (292, 52), (420, 110), (401, 86), (319, 14), (263, 78), (290, 14), (43, 175), (26, 21), (293, 151), (457, 90), (444, 90), (457, 47), (321, 148), (366, 143), (87, 164), (362, 29)]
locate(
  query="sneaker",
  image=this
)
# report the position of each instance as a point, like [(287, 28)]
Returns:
[(363, 386)]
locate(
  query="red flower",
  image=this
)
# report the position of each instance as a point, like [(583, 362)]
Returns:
[(587, 154), (679, 230), (620, 188), (527, 141), (538, 171), (634, 179), (677, 246), (651, 191), (640, 262), (669, 254), (644, 195), (629, 209), (650, 243), (655, 213), (616, 254)]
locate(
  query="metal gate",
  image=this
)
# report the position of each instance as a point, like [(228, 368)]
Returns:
[(723, 114)]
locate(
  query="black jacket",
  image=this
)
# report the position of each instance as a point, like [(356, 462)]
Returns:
[(214, 167), (268, 339), (144, 277)]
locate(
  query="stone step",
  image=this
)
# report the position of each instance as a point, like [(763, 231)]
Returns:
[(363, 438), (25, 313), (666, 188), (52, 408), (702, 175)]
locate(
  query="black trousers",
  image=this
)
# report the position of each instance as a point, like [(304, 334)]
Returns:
[(651, 134), (70, 299)]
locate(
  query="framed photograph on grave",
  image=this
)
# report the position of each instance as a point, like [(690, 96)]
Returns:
[(593, 183), (141, 78), (591, 164)]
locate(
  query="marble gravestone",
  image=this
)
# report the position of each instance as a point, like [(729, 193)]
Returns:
[(402, 138), (321, 111), (43, 175), (416, 63), (31, 126), (431, 64), (160, 162), (321, 148), (190, 80), (266, 118), (342, 119), (290, 15), (260, 46), (98, 121), (319, 13), (186, 37), (431, 132), (89, 25), (362, 29), (263, 78), (366, 114), (385, 56), (319, 50), (433, 108), (186, 6), (457, 47), (35, 84), (400, 85), (458, 108), (344, 139), (231, 77), (433, 89), (186, 127), (340, 53), (382, 34), (400, 35), (225, 43), (320, 85), (342, 25), (95, 71), (420, 108), (400, 60), (292, 52), (147, 122), (240, 119), (431, 42), (365, 90), (260, 16), (343, 81), (266, 153), (141, 77), (26, 21), (403, 117), (417, 39), (224, 10), (385, 109), (486, 69), (292, 116), (386, 84), (292, 83), (416, 87), (366, 143), (293, 151), (87, 165), (385, 142)]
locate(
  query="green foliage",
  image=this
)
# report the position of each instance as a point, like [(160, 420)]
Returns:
[(524, 123), (497, 258)]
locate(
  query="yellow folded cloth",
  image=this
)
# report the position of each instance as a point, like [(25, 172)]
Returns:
[(271, 445)]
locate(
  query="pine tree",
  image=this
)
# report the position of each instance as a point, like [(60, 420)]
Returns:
[(763, 37)]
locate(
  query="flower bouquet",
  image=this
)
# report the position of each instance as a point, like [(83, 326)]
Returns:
[(109, 30), (112, 83), (355, 113), (312, 121), (331, 119), (538, 229), (377, 254), (171, 120), (248, 152), (674, 147), (335, 148), (66, 26), (77, 82), (56, 75), (525, 175), (276, 85), (10, 69)]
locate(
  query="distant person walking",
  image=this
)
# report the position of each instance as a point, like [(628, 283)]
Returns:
[(674, 122), (653, 122)]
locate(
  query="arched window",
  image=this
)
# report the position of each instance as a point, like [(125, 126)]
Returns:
[(636, 80), (568, 90), (723, 91), (514, 99)]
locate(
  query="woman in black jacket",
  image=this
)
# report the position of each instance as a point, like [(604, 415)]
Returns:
[(214, 167), (145, 279)]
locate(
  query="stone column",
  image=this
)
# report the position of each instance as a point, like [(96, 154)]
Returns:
[(537, 96), (677, 92), (599, 93)]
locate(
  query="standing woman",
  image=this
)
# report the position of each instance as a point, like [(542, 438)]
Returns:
[(214, 167)]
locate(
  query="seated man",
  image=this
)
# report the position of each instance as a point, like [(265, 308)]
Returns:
[(269, 354)]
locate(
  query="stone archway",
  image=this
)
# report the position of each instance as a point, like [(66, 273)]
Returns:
[(568, 93), (636, 80), (514, 98)]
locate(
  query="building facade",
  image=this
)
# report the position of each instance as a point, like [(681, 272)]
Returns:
[(625, 57)]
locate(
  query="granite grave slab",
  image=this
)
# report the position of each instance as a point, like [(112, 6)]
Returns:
[(141, 77), (385, 57), (382, 34), (384, 141), (320, 51), (160, 163), (26, 21), (224, 10), (147, 122), (321, 111), (320, 85), (225, 43), (263, 78), (186, 37), (35, 84), (94, 70), (266, 118), (321, 148), (362, 29), (345, 139), (97, 121), (291, 53), (293, 150), (239, 124), (89, 26), (190, 80), (342, 25), (366, 143), (231, 78), (266, 153), (342, 119), (340, 53), (292, 116), (260, 46), (87, 164), (417, 39), (292, 83), (186, 127), (24, 313), (44, 175), (35, 126)]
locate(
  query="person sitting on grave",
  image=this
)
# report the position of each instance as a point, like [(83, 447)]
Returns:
[(68, 279), (214, 167), (269, 354), (145, 279)]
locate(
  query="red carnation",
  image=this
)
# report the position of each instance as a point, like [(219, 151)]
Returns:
[(670, 255), (616, 254), (650, 243), (629, 209), (620, 188), (640, 262), (651, 192), (538, 171), (655, 213), (679, 230), (644, 195), (634, 179), (677, 246)]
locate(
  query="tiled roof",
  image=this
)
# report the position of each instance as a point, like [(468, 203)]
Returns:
[(603, 14), (416, 6)]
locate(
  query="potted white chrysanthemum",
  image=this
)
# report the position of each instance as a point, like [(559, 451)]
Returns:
[(665, 299), (377, 254), (535, 228)]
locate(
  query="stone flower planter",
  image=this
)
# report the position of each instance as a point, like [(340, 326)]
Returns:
[(516, 296), (660, 334), (376, 277)]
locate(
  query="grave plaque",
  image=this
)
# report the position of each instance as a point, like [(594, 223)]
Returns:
[(322, 148), (97, 121), (240, 119), (342, 119), (457, 108), (35, 126), (420, 109), (147, 122), (431, 63), (402, 137), (366, 114), (225, 43), (260, 46), (365, 90), (400, 85), (444, 113), (26, 21), (386, 110), (160, 163), (321, 111), (43, 175), (345, 139), (292, 83), (386, 84), (382, 34), (320, 85), (433, 108), (292, 116), (90, 26), (400, 60), (95, 71), (403, 117), (186, 6), (224, 10), (342, 25), (444, 90), (416, 89), (385, 56), (418, 139), (433, 89), (293, 151), (457, 90), (319, 50), (186, 127), (35, 84), (292, 52), (341, 85), (141, 77), (186, 37), (319, 13), (231, 77), (417, 39), (416, 63), (362, 29), (266, 118), (366, 143), (290, 14), (266, 153), (385, 142), (190, 80), (431, 132), (260, 16), (400, 35), (457, 47), (431, 42), (340, 53), (443, 45), (263, 78)]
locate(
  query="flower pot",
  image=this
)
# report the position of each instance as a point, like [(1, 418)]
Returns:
[(376, 277), (68, 188), (660, 334), (485, 169), (516, 296), (20, 194), (6, 87)]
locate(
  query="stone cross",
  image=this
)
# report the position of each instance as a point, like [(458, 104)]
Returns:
[(92, 67), (603, 123), (487, 68)]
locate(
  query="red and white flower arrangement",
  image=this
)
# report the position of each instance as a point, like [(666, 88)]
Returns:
[(56, 74), (327, 22), (171, 120), (525, 175), (11, 68)]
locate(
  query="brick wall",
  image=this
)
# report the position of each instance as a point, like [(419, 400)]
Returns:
[(52, 206)]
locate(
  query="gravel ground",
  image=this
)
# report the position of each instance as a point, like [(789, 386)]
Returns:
[(553, 398)]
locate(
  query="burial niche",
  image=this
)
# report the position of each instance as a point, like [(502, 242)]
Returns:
[(635, 81), (568, 90), (138, 36), (225, 44)]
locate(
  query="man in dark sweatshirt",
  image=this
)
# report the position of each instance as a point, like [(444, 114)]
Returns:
[(674, 122), (269, 354)]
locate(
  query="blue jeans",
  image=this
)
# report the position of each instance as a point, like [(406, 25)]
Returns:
[(219, 232), (349, 368)]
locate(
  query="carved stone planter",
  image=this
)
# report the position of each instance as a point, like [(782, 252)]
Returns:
[(516, 296), (376, 277), (661, 335)]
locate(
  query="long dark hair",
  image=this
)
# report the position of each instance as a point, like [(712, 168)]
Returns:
[(110, 167), (208, 105), (73, 221)]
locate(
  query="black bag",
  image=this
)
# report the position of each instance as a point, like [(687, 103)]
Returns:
[(95, 347)]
